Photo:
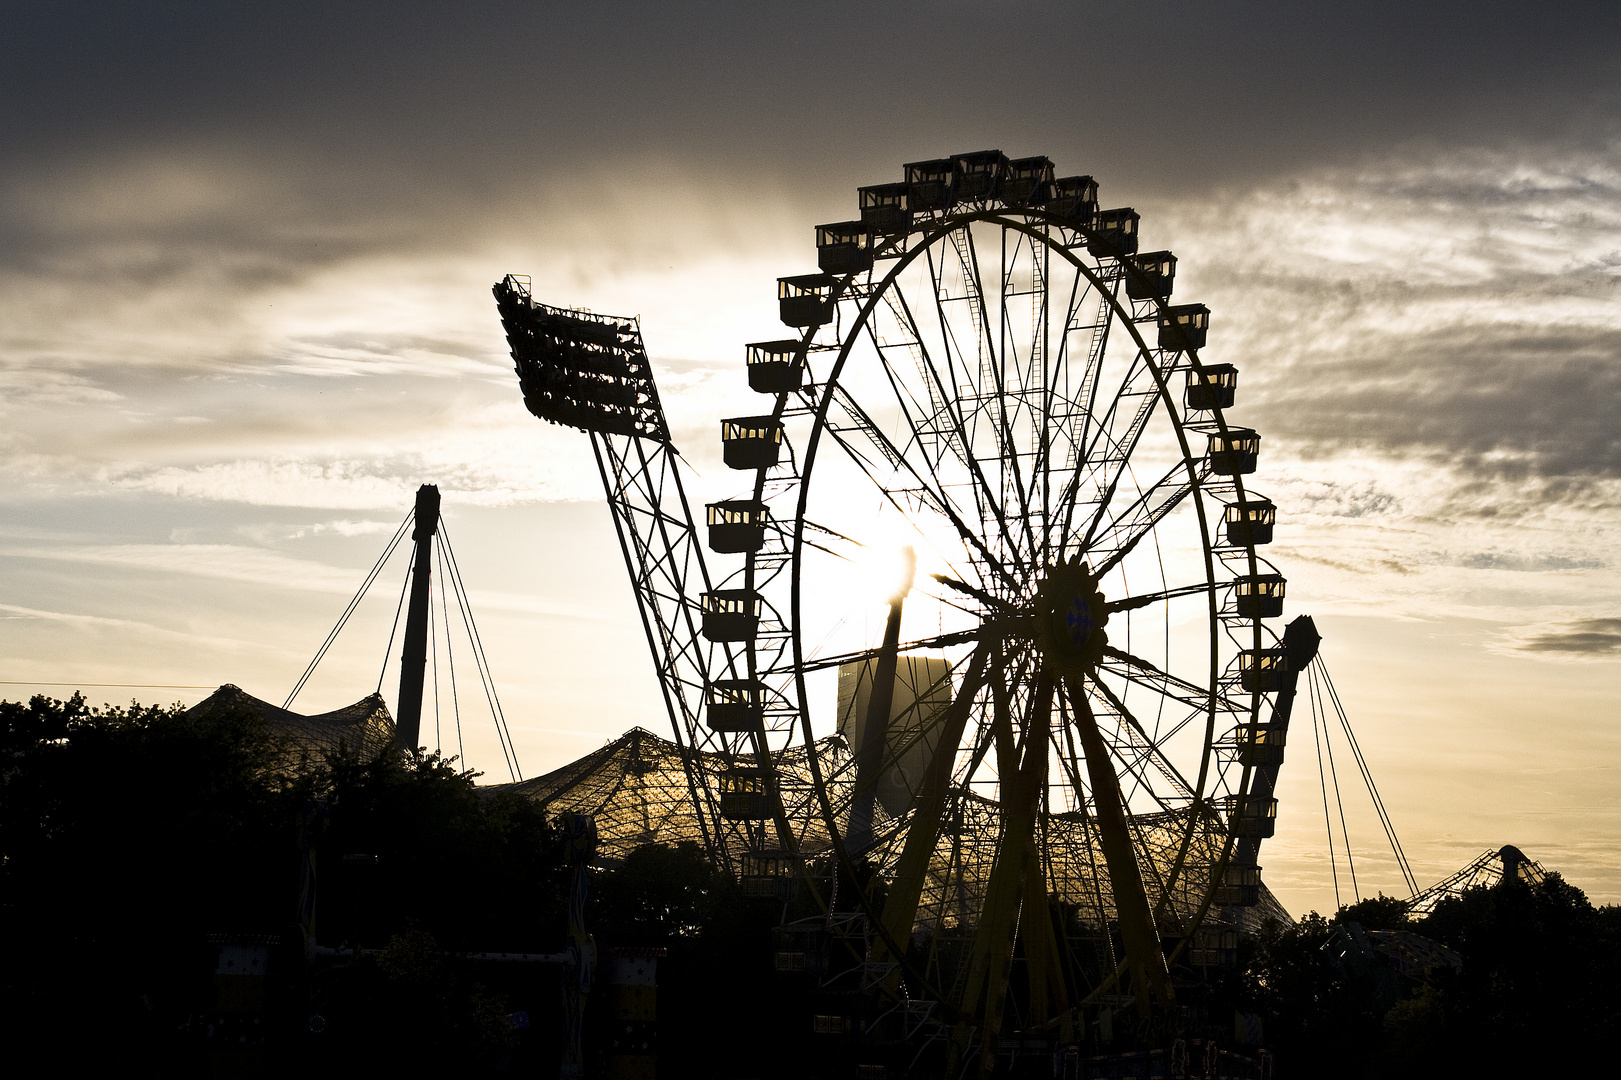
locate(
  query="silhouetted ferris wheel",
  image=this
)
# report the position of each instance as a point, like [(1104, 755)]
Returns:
[(995, 648), (1062, 756)]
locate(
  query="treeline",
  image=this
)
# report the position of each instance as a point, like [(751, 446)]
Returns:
[(1535, 990), (133, 840)]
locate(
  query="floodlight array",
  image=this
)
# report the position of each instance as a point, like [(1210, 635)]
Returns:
[(580, 369)]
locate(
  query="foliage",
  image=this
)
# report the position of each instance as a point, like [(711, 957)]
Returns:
[(129, 835), (126, 834), (719, 1001), (1537, 991), (413, 1009), (415, 844), (1375, 913), (663, 893), (1536, 988), (1312, 1011)]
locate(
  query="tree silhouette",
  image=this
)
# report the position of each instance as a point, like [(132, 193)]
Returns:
[(129, 836)]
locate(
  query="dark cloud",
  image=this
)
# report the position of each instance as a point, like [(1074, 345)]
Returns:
[(1592, 638), (1497, 560), (185, 162), (435, 101), (1348, 500), (1452, 308), (1513, 403)]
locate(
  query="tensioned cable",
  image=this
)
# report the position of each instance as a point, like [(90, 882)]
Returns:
[(350, 610), (1322, 779), (135, 685), (481, 659), (450, 663), (1339, 800), (389, 648), (433, 651), (444, 600), (1373, 790)]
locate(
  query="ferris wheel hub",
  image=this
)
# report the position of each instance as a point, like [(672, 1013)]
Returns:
[(1071, 619)]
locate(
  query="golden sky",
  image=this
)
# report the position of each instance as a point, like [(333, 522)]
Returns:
[(246, 257)]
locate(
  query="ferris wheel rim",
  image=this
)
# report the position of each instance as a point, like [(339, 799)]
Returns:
[(942, 229), (1034, 224)]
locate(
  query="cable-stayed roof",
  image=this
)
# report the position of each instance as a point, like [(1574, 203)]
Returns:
[(364, 728)]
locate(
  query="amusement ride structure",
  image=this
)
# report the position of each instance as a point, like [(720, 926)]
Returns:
[(1033, 788)]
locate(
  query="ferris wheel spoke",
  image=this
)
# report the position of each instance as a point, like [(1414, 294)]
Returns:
[(1144, 747), (1058, 405), (1091, 369), (1061, 428), (1132, 603), (939, 641), (996, 351), (1127, 397), (984, 496), (991, 603), (905, 399), (986, 401), (1042, 369), (858, 420), (1103, 458), (1138, 520), (833, 542), (1136, 670), (1140, 400), (962, 242), (1130, 756), (970, 391), (952, 353), (945, 424)]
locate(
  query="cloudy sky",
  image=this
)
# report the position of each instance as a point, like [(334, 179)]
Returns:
[(246, 252)]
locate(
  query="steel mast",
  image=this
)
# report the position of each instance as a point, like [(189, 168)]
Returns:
[(414, 660)]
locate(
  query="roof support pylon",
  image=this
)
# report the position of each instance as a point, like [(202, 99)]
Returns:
[(414, 660)]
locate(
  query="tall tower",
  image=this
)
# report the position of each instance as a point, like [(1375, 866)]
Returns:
[(414, 660)]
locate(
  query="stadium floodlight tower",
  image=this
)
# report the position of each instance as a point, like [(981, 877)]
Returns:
[(591, 372)]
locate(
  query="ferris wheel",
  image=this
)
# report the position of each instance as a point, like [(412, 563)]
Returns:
[(999, 539)]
